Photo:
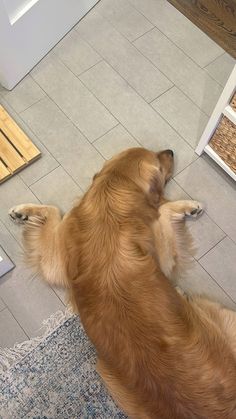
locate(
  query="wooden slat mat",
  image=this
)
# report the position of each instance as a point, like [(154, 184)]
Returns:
[(16, 149), (217, 18)]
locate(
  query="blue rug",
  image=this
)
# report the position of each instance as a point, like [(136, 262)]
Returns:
[(54, 377)]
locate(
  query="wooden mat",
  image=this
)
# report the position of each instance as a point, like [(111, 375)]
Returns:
[(16, 149), (217, 18)]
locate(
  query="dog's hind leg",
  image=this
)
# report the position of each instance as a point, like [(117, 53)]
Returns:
[(43, 240)]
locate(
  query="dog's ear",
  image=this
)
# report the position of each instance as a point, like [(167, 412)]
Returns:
[(155, 188)]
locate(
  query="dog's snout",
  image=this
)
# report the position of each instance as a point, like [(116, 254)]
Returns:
[(170, 152)]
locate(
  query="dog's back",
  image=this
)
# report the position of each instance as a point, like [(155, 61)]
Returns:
[(147, 336)]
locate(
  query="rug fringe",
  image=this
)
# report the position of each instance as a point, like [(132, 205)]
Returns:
[(10, 356)]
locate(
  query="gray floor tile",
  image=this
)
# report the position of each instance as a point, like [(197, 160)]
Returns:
[(2, 305), (44, 164), (147, 80), (75, 53), (221, 68), (180, 69), (86, 112), (21, 273), (10, 330), (125, 18), (10, 245), (135, 114), (14, 192), (187, 36), (39, 168), (62, 294), (182, 114), (116, 140), (57, 188), (64, 141), (197, 281), (206, 234), (206, 182), (220, 263), (30, 300), (24, 94), (174, 192)]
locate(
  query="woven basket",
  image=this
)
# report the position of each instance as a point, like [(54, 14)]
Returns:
[(223, 141), (233, 102)]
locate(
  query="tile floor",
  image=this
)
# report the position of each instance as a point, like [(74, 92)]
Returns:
[(130, 73)]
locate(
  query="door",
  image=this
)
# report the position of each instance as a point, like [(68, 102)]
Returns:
[(29, 29)]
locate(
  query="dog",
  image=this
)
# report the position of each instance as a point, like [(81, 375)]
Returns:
[(161, 354)]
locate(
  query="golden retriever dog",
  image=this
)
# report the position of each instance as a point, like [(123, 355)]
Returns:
[(161, 355)]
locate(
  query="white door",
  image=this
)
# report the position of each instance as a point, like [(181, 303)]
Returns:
[(29, 29)]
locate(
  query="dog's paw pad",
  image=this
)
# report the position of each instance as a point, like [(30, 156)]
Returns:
[(17, 216), (195, 211)]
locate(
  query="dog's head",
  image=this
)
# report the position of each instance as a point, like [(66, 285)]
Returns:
[(147, 169)]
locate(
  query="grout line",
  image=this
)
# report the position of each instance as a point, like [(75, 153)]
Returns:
[(94, 141), (176, 174), (37, 101), (148, 59), (199, 260), (48, 173), (51, 170), (13, 237), (8, 308), (111, 112), (211, 248), (151, 103), (189, 97), (59, 298), (21, 112), (59, 164), (146, 103), (135, 39), (171, 40), (154, 111), (84, 71), (118, 30), (226, 293), (174, 129), (221, 55), (80, 131), (126, 81)]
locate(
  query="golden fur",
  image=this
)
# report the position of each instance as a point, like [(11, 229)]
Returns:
[(160, 354)]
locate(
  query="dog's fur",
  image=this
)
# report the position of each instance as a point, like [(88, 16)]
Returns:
[(160, 354)]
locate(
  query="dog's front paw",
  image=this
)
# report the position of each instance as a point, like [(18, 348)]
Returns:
[(17, 214), (195, 209)]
